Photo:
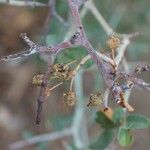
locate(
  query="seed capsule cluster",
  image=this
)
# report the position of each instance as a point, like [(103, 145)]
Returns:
[(60, 71)]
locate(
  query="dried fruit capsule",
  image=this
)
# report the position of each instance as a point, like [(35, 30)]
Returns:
[(38, 79), (95, 99), (108, 112), (70, 98), (113, 42), (61, 71)]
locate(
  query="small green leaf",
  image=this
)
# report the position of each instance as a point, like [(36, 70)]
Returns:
[(70, 54), (124, 137), (103, 141), (118, 116), (88, 64), (104, 121), (136, 121)]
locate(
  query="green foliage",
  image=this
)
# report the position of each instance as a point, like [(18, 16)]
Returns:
[(71, 54), (103, 141), (105, 121), (124, 137), (118, 116), (123, 126), (136, 121)]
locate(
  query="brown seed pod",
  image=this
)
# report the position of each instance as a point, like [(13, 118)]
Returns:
[(113, 42), (125, 104), (70, 98), (47, 92), (95, 99), (37, 79), (128, 106), (108, 112), (63, 72)]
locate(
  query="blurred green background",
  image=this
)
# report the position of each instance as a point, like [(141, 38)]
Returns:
[(18, 95)]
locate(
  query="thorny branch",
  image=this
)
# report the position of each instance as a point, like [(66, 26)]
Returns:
[(108, 66), (126, 38), (44, 94)]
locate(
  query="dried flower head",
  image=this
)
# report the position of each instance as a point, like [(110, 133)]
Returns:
[(113, 42), (95, 99), (63, 72), (70, 98), (37, 79)]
